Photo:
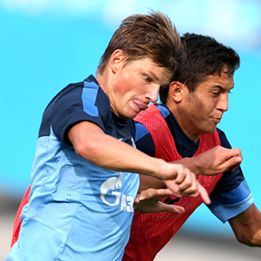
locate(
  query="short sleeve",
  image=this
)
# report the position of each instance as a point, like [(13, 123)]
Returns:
[(229, 204), (231, 195), (74, 104)]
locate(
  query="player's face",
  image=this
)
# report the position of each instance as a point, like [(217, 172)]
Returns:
[(136, 84), (204, 108)]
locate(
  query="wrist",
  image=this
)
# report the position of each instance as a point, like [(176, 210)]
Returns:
[(160, 169), (192, 164), (153, 167)]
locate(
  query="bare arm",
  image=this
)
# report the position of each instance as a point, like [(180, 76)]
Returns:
[(91, 143), (247, 226), (214, 161)]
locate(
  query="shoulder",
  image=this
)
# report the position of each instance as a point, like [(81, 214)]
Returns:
[(93, 95)]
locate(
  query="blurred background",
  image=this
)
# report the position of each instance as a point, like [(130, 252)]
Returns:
[(46, 44)]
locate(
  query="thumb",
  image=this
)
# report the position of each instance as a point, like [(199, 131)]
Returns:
[(230, 163), (152, 193), (163, 207)]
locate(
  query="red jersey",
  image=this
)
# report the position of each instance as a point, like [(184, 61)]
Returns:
[(150, 232)]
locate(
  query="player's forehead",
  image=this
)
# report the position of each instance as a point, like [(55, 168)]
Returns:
[(224, 81), (147, 66)]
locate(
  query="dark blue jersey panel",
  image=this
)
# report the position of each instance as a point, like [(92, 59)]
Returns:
[(50, 109), (83, 101), (144, 140)]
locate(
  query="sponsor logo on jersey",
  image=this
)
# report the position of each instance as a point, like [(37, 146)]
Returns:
[(111, 195)]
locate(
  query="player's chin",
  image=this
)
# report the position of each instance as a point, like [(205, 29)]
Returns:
[(211, 128), (132, 113)]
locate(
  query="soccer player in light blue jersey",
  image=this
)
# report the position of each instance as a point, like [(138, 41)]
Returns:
[(84, 178)]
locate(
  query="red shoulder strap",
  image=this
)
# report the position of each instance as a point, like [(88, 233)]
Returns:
[(165, 147), (17, 221)]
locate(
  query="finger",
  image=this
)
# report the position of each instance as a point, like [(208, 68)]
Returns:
[(182, 174), (233, 153), (163, 192), (189, 184), (151, 193), (163, 207), (236, 152), (159, 206), (230, 163), (173, 187), (203, 194), (190, 192)]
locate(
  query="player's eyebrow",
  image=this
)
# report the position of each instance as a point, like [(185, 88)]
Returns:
[(222, 88)]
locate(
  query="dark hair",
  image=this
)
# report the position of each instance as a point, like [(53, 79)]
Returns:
[(204, 56), (153, 36)]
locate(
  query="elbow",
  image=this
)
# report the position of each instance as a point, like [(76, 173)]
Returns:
[(80, 149), (86, 150), (249, 240), (247, 227), (243, 240)]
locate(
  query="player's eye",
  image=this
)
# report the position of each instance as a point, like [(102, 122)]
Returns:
[(147, 78)]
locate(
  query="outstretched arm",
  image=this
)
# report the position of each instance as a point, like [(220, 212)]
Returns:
[(247, 226), (91, 143), (214, 161)]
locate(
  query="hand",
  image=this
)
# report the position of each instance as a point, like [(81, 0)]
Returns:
[(184, 183), (217, 160), (149, 201)]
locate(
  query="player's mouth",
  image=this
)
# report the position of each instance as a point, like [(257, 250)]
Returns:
[(216, 120), (139, 105)]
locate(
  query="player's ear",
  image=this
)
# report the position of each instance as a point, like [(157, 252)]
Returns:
[(177, 91), (117, 60)]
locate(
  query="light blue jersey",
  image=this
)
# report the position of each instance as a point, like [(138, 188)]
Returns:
[(76, 211)]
